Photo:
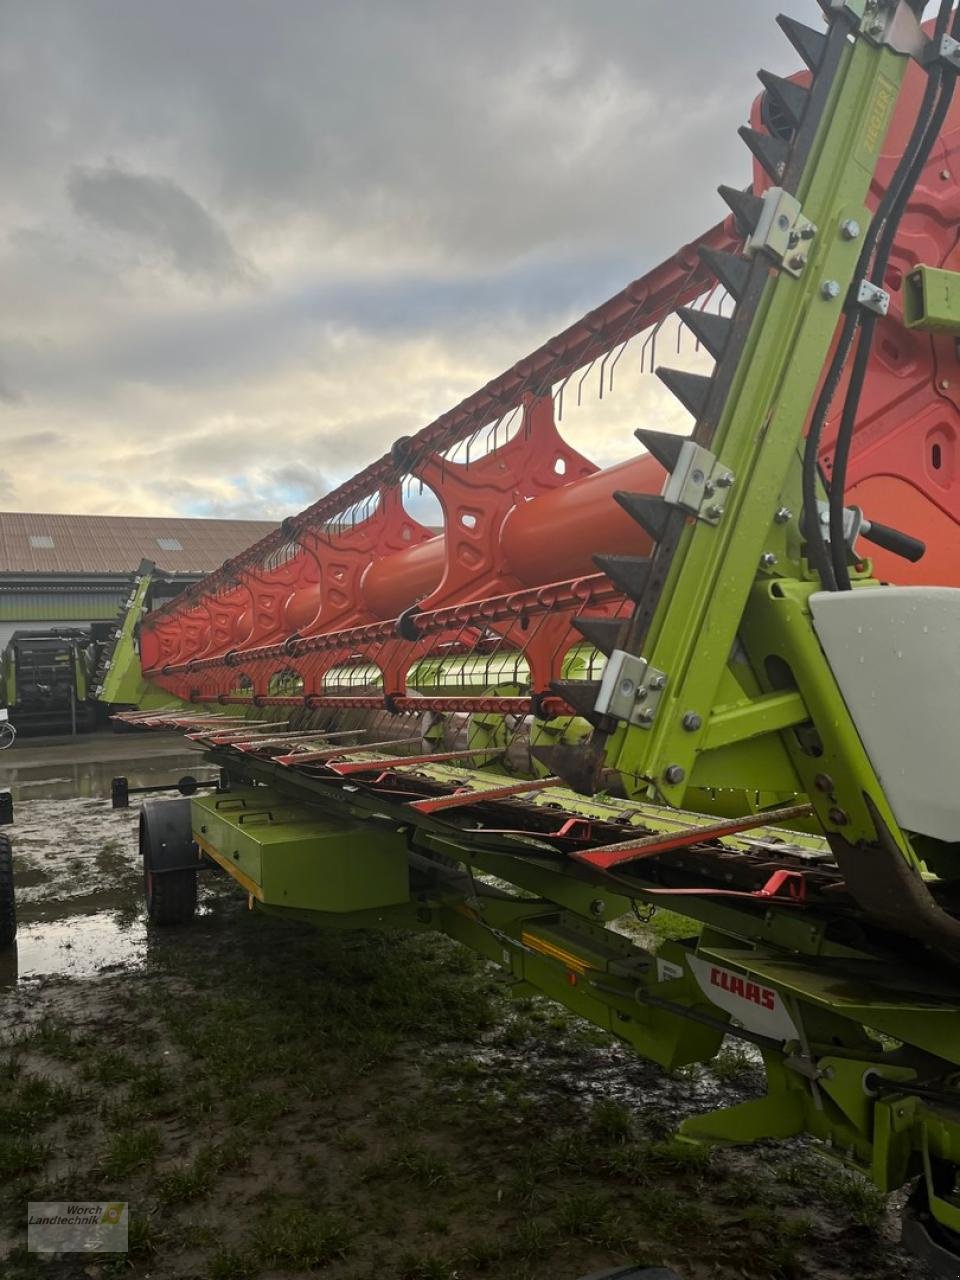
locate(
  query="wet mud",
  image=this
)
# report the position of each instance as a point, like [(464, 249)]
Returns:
[(275, 1101)]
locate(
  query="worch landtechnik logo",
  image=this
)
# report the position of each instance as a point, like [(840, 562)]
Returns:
[(77, 1226)]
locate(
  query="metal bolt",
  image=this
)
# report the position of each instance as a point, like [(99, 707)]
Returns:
[(691, 722), (838, 816), (823, 782), (714, 513), (945, 175), (597, 907), (627, 688), (645, 716), (658, 682), (850, 230), (944, 384), (724, 480), (807, 232), (782, 515), (830, 289), (783, 222), (768, 560), (674, 773), (709, 489), (797, 261)]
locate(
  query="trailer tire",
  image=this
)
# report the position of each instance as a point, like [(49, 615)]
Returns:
[(167, 849), (8, 907)]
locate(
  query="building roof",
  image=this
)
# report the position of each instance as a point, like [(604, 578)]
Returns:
[(36, 543)]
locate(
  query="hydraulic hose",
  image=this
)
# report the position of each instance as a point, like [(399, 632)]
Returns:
[(887, 215), (927, 129)]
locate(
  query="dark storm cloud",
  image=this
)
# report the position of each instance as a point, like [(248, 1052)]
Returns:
[(161, 217), (485, 129)]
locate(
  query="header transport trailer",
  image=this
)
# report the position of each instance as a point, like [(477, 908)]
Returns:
[(680, 681)]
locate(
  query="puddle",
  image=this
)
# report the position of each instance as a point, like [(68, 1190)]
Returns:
[(82, 779), (77, 947), (76, 861)]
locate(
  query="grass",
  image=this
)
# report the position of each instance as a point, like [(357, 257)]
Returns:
[(733, 1063), (412, 1164), (130, 1150), (53, 1037), (859, 1199), (28, 1103), (273, 1100), (429, 1266), (110, 1067), (231, 1264), (294, 1236), (22, 1155)]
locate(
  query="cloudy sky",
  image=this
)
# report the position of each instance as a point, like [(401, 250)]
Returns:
[(245, 245)]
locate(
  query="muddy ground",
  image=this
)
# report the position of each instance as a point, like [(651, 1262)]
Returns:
[(273, 1101)]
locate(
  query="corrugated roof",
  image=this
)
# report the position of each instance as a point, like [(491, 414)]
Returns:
[(117, 544)]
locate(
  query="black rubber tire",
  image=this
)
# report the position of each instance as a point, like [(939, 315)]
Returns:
[(170, 897), (8, 905)]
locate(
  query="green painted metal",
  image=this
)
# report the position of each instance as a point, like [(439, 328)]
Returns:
[(8, 677), (287, 854), (777, 626), (308, 851), (717, 581), (860, 1040), (33, 606), (931, 300), (835, 1079), (121, 681), (72, 651)]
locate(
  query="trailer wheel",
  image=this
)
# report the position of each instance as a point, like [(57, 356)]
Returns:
[(169, 861), (8, 908)]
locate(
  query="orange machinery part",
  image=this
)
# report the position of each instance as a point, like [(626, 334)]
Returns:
[(548, 539)]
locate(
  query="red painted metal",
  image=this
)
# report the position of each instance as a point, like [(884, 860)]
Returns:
[(612, 855), (464, 799), (330, 753), (615, 321), (352, 594), (403, 762), (243, 741)]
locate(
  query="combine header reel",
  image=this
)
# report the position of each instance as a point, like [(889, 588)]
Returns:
[(676, 682)]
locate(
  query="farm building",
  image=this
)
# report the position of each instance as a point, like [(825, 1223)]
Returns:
[(59, 571)]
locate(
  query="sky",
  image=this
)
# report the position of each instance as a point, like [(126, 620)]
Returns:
[(246, 245)]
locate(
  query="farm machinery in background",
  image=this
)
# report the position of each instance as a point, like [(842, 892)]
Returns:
[(45, 681), (677, 682), (52, 679)]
